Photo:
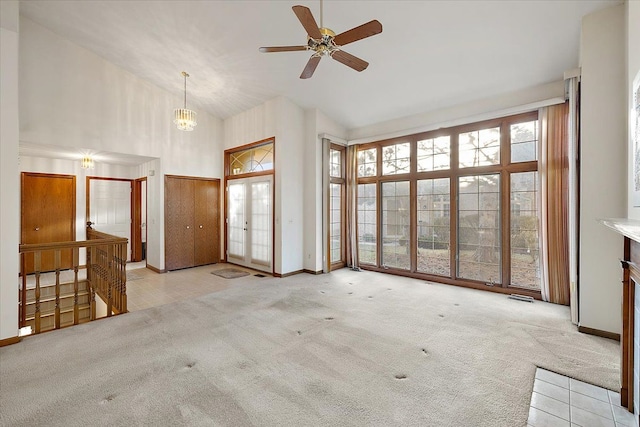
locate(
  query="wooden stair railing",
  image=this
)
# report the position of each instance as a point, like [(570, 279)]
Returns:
[(55, 305)]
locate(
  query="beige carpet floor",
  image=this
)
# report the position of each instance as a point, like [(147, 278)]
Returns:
[(344, 349)]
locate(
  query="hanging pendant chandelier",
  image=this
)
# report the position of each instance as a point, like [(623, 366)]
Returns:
[(184, 118)]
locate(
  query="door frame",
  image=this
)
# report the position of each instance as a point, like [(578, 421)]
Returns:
[(248, 180), (136, 208), (88, 199), (228, 177)]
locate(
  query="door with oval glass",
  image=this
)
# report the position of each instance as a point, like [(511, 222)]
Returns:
[(250, 222)]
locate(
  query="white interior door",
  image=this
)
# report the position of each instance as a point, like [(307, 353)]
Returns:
[(250, 222), (110, 208)]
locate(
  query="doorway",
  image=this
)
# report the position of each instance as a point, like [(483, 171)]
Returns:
[(139, 237), (48, 214), (109, 207), (250, 222)]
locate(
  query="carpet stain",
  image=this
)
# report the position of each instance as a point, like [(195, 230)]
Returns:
[(328, 318), (191, 365), (322, 292), (424, 350), (388, 289), (456, 304), (369, 296), (108, 399), (299, 332), (350, 293), (401, 377), (441, 315)]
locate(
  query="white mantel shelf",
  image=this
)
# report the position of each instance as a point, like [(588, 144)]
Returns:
[(627, 227)]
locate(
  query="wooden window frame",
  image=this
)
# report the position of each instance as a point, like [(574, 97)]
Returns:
[(343, 217), (505, 168)]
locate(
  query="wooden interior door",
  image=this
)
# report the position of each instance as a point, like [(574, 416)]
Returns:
[(207, 221), (48, 214), (179, 222)]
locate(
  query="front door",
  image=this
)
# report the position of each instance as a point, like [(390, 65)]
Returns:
[(48, 211), (110, 208), (250, 222)]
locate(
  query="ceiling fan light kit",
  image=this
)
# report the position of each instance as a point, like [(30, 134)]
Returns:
[(324, 42)]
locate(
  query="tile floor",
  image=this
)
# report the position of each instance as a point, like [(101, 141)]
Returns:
[(562, 401), (146, 289)]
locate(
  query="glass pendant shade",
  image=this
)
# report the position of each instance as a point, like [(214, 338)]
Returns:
[(185, 119)]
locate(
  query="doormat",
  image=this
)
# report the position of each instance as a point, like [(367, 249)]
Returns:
[(230, 273)]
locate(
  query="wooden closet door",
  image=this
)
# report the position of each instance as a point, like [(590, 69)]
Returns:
[(207, 222), (48, 210), (179, 228)]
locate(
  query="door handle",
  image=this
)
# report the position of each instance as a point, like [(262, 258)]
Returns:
[(36, 229), (200, 226), (188, 227)]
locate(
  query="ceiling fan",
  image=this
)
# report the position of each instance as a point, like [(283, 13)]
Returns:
[(324, 42)]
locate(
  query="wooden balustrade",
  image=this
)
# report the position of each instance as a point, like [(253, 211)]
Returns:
[(67, 302)]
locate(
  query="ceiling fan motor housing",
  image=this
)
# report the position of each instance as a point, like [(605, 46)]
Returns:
[(325, 45)]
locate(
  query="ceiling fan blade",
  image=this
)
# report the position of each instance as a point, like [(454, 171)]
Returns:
[(369, 29), (308, 21), (311, 67), (282, 49), (350, 60)]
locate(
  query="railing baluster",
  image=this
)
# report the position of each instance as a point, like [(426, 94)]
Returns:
[(106, 276), (23, 292), (57, 267), (37, 256), (76, 309), (110, 279)]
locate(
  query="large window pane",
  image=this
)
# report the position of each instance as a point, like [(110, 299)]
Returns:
[(396, 159), (335, 210), (367, 223), (433, 200), (261, 223), (525, 258), (367, 162), (524, 142), (479, 228), (479, 148), (395, 225), (434, 154)]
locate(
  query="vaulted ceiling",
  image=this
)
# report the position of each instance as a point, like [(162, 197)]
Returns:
[(430, 55)]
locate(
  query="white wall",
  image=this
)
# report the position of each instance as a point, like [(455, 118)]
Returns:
[(9, 176), (284, 120), (603, 177), (316, 123), (497, 106), (633, 67), (70, 97), (72, 167), (289, 187)]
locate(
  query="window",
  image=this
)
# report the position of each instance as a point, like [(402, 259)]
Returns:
[(479, 148), (434, 154), (395, 225), (250, 160), (367, 224), (367, 162), (396, 159), (457, 205), (433, 226), (336, 206)]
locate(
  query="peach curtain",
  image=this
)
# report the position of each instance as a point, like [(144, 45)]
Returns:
[(554, 203)]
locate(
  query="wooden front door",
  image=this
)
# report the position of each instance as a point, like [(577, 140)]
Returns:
[(207, 222), (48, 213)]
